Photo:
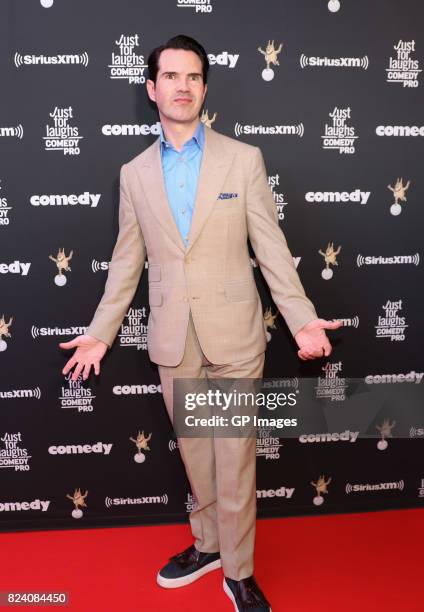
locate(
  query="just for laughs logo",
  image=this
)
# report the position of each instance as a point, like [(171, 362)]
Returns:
[(331, 386), (75, 395), (403, 69), (134, 329), (399, 194), (142, 444), (274, 184), (61, 136), (338, 135), (321, 488), (270, 53), (12, 455), (62, 264), (391, 325), (126, 63), (4, 209), (78, 499), (206, 120), (266, 445), (4, 332), (330, 259), (385, 430)]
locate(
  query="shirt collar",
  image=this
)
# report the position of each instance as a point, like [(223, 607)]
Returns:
[(198, 137)]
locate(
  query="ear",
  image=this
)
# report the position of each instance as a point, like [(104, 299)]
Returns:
[(205, 92), (151, 91)]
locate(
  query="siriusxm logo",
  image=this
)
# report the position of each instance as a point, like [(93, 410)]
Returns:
[(378, 486), (57, 331), (76, 58), (368, 260), (337, 62), (273, 130), (21, 393)]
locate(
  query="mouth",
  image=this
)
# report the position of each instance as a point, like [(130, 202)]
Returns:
[(182, 100)]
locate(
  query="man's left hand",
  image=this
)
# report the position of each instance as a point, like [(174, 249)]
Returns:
[(312, 339)]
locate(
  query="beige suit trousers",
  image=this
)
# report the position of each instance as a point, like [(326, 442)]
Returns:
[(221, 471)]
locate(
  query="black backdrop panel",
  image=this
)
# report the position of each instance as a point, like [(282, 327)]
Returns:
[(339, 120)]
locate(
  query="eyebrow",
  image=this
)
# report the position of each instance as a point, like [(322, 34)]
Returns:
[(189, 74)]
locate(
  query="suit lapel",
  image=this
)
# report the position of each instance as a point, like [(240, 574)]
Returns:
[(216, 162), (214, 168), (150, 173)]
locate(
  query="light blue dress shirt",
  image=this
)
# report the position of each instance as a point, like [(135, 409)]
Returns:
[(181, 173)]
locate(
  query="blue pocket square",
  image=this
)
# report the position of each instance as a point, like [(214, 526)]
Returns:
[(227, 196)]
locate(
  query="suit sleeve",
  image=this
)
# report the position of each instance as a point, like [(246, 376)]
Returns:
[(272, 252), (125, 270)]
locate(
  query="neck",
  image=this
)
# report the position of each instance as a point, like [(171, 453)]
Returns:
[(178, 133)]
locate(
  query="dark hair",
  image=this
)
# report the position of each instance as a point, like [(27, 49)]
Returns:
[(178, 42)]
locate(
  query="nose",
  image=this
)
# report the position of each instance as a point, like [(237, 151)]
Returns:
[(183, 84)]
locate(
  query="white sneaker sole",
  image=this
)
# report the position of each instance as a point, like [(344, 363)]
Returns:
[(174, 583), (229, 592)]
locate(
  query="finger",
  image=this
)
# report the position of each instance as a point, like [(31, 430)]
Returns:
[(86, 371), (328, 349), (77, 371), (332, 324), (70, 364), (97, 367), (70, 344)]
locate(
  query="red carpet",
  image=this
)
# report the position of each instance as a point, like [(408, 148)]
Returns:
[(328, 563)]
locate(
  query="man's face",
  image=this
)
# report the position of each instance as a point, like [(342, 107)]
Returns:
[(179, 90)]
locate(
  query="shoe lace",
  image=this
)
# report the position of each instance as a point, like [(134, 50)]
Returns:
[(249, 592), (186, 557)]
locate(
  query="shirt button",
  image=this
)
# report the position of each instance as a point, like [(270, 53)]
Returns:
[(183, 211), (181, 185)]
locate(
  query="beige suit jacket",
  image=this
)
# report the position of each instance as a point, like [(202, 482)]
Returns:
[(213, 276)]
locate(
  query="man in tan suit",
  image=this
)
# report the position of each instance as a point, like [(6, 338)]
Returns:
[(206, 316)]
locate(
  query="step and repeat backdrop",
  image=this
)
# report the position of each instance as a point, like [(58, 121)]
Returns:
[(332, 93)]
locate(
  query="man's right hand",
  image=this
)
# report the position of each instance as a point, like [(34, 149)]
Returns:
[(90, 351)]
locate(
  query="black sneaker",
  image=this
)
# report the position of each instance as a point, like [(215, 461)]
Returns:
[(246, 595), (186, 567)]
